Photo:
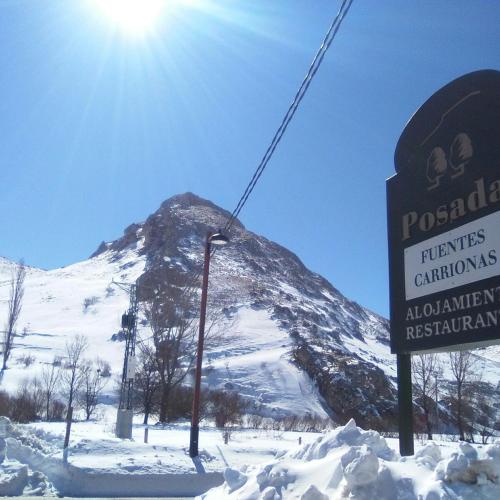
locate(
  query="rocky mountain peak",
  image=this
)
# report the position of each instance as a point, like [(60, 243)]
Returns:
[(188, 200), (262, 275), (181, 217)]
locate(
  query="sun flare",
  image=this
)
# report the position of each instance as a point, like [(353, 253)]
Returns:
[(132, 17)]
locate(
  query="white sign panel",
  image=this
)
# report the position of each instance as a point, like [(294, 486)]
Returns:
[(464, 255), (131, 366)]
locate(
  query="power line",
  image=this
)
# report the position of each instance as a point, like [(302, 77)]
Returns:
[(313, 68)]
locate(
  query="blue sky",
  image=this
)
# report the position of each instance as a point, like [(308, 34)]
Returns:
[(97, 128)]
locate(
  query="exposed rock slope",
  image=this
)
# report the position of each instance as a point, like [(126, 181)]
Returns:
[(331, 337)]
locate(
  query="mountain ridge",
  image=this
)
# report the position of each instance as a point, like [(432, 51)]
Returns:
[(299, 345), (267, 276)]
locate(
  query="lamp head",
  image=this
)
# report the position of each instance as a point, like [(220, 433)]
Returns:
[(218, 239)]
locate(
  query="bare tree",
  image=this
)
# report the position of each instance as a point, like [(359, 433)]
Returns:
[(174, 330), (71, 380), (71, 373), (105, 367), (463, 366), (172, 312), (22, 404), (14, 309), (146, 382), (486, 414), (425, 369), (27, 403), (227, 409), (92, 386), (49, 378), (37, 394)]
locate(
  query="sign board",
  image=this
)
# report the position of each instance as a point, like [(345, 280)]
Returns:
[(131, 367), (444, 220)]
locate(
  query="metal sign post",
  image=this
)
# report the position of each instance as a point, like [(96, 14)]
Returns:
[(405, 405), (443, 209)]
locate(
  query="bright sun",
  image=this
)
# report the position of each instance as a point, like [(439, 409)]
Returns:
[(132, 17)]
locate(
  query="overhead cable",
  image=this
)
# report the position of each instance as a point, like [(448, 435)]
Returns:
[(313, 68)]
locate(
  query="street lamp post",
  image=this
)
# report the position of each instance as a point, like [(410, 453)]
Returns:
[(212, 239)]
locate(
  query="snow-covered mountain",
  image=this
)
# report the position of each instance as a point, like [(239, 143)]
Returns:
[(294, 344)]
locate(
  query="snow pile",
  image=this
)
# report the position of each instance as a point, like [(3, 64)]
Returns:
[(17, 478), (352, 463)]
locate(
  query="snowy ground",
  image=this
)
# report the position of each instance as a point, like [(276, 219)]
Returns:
[(344, 463), (53, 311), (101, 465), (255, 362), (256, 464), (253, 358), (93, 446)]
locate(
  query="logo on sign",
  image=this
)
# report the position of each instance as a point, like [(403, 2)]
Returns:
[(440, 164)]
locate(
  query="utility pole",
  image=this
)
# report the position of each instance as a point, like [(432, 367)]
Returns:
[(129, 327), (195, 430), (212, 239)]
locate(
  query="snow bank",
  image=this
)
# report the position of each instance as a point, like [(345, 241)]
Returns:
[(29, 469), (74, 481), (352, 463), (17, 478)]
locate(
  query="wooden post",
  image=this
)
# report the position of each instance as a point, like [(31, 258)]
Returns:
[(69, 420)]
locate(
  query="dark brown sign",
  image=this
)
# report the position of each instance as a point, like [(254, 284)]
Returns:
[(444, 220)]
